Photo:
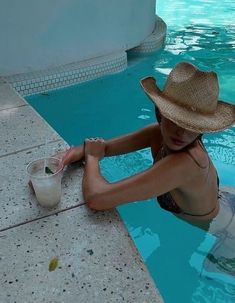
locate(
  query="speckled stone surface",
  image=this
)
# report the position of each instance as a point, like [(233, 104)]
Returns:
[(8, 97), (22, 128), (97, 261), (18, 202)]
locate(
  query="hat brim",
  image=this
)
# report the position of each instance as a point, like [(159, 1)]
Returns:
[(222, 118)]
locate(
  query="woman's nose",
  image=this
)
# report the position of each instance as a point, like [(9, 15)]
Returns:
[(180, 130)]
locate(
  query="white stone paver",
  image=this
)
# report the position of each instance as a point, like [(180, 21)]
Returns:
[(97, 261), (22, 128), (18, 203), (8, 97)]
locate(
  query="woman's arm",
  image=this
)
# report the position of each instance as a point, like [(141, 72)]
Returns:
[(166, 175), (120, 145), (133, 141)]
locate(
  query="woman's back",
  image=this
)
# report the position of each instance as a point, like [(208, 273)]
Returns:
[(197, 197)]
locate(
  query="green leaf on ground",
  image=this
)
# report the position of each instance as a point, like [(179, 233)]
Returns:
[(53, 264)]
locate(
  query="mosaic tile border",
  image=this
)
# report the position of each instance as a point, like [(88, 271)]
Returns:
[(69, 74), (155, 40), (77, 72)]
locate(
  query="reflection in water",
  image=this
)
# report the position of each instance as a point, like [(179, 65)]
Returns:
[(210, 291), (221, 146)]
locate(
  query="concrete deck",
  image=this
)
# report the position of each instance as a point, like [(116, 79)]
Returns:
[(97, 260)]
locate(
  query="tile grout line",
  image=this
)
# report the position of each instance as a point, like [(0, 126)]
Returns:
[(39, 218), (8, 108), (28, 148)]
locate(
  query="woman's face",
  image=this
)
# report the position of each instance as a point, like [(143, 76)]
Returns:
[(174, 136)]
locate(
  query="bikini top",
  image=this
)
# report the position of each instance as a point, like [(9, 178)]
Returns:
[(166, 200)]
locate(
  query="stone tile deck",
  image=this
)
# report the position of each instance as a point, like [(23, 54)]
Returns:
[(97, 260)]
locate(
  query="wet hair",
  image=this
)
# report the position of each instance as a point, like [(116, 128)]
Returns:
[(157, 114)]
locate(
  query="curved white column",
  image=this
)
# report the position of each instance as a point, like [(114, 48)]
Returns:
[(38, 35)]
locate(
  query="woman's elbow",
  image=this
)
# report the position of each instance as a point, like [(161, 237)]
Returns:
[(96, 203)]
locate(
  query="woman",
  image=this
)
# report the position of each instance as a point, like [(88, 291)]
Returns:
[(182, 177)]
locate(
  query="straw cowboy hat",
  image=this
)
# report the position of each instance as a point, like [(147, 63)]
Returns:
[(190, 99)]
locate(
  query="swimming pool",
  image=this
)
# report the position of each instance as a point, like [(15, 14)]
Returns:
[(201, 32)]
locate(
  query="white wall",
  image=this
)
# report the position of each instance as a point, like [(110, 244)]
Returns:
[(37, 35)]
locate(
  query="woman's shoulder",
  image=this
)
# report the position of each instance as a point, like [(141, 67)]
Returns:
[(199, 154), (155, 130)]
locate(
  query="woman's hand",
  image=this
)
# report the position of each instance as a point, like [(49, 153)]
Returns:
[(73, 154), (95, 147)]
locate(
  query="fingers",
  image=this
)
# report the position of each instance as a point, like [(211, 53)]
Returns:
[(63, 156), (65, 159), (68, 155), (94, 147), (95, 139)]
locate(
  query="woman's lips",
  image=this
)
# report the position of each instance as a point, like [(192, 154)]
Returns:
[(177, 142)]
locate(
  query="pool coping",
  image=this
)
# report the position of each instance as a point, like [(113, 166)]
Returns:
[(139, 288)]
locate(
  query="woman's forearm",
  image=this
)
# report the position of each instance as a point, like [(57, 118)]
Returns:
[(80, 153), (120, 145), (93, 183), (131, 142)]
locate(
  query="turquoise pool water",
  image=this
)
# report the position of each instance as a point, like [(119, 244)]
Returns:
[(201, 32)]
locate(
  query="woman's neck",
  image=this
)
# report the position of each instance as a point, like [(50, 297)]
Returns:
[(168, 151)]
